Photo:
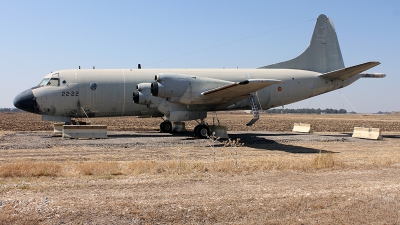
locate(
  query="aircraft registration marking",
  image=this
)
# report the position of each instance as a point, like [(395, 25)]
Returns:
[(72, 93)]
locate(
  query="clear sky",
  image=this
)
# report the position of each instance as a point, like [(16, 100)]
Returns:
[(37, 37)]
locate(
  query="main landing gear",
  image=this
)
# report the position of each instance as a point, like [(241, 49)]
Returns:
[(201, 131), (166, 127), (175, 127)]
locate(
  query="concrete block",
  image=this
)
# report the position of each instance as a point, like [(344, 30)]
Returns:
[(302, 128), (58, 129), (85, 131), (367, 133)]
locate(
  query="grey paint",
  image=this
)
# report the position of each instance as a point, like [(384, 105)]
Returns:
[(322, 54), (187, 94)]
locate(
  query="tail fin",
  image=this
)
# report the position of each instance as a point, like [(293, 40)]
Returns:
[(322, 54)]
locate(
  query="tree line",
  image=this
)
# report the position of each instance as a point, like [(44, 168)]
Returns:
[(10, 110), (306, 111), (270, 111)]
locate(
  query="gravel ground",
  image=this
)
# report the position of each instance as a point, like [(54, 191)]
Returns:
[(130, 139)]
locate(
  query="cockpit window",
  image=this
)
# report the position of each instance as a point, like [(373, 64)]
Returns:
[(54, 82), (50, 82), (44, 82)]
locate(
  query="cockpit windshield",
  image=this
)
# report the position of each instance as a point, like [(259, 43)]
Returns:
[(50, 82), (44, 82)]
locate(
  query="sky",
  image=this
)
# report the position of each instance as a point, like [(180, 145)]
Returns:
[(38, 37)]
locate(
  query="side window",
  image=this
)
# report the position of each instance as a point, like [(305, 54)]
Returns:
[(54, 82)]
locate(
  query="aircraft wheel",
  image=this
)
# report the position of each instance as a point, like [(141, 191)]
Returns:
[(166, 127), (202, 131), (195, 131)]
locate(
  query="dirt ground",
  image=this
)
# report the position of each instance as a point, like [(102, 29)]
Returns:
[(140, 176), (233, 121)]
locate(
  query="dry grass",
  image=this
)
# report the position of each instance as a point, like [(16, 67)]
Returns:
[(169, 167), (226, 160), (98, 168), (11, 215), (322, 161), (274, 189), (30, 169), (264, 198)]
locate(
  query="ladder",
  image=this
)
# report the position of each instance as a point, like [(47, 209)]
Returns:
[(254, 110)]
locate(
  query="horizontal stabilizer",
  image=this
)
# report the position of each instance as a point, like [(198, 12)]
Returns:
[(242, 88), (349, 72)]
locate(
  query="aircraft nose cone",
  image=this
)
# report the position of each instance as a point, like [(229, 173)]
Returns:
[(26, 101)]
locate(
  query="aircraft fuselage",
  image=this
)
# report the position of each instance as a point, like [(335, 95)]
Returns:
[(108, 92), (188, 94)]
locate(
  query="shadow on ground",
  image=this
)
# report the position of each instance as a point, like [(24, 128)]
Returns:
[(390, 136), (261, 142)]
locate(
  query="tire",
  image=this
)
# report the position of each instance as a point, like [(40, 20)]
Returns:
[(162, 127), (166, 127), (203, 131), (196, 131)]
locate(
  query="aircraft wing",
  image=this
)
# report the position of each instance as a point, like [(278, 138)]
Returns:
[(239, 89), (349, 72)]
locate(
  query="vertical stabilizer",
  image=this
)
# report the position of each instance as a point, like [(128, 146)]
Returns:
[(322, 54)]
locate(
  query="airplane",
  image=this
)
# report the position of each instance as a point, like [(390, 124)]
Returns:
[(178, 95)]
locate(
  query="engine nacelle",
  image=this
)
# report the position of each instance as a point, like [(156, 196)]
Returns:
[(185, 89), (170, 85), (143, 96)]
